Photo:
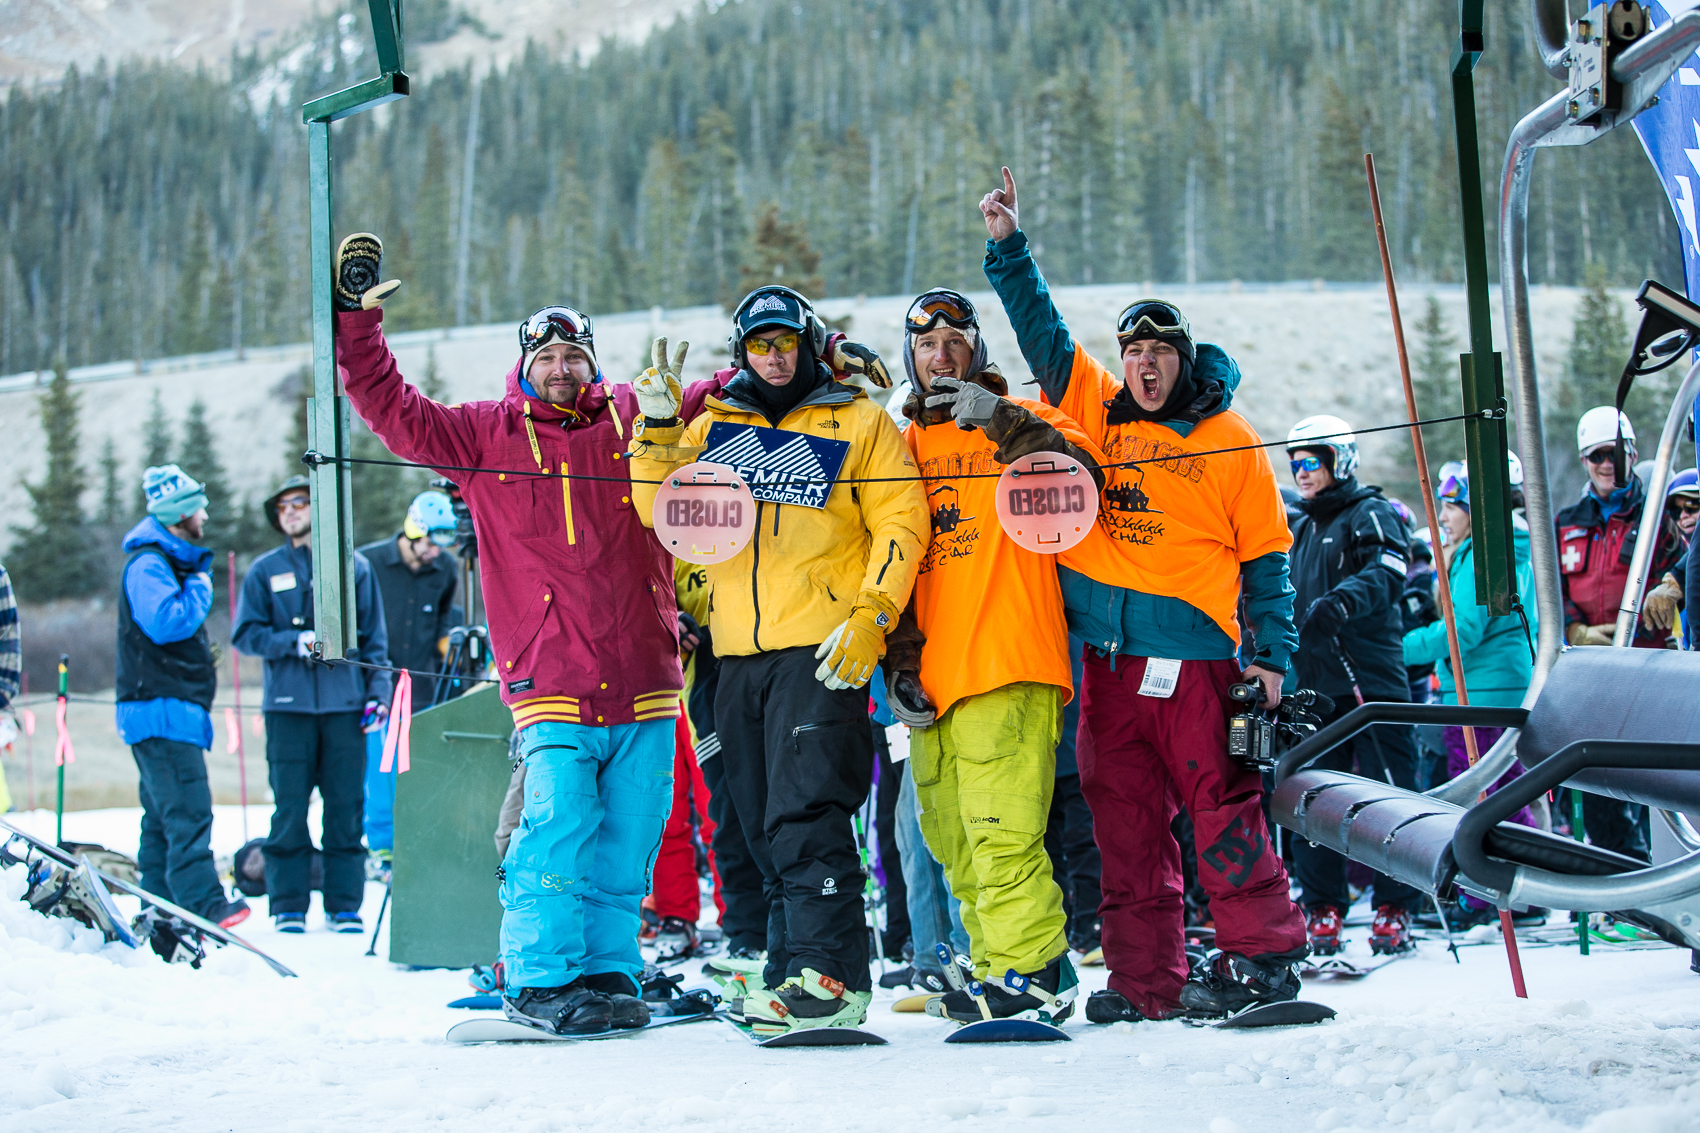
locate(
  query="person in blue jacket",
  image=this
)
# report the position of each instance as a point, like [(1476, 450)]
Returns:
[(1498, 661), (165, 682), (316, 714)]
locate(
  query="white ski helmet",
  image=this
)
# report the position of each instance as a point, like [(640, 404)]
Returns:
[(1599, 427), (1332, 434), (1514, 464)]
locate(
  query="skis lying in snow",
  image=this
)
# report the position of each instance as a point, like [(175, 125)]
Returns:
[(104, 883), (508, 1031), (1288, 1013), (1339, 969)]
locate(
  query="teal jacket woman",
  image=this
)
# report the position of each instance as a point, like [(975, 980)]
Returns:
[(1497, 661)]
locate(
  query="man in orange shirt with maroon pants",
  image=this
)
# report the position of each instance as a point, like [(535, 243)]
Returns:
[(1182, 535), (985, 770)]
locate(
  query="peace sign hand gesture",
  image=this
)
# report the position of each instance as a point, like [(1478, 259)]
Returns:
[(1003, 218), (659, 389)]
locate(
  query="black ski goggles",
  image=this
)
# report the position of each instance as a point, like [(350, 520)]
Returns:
[(1151, 318), (562, 323), (938, 306)]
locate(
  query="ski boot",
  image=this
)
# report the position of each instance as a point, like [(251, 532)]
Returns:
[(571, 1010), (1322, 925), (664, 997), (1391, 931), (1046, 996), (1228, 983), (627, 1011), (803, 1003), (675, 939)]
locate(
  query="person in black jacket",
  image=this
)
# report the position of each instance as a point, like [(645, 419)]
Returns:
[(417, 575), (1348, 567), (315, 714)]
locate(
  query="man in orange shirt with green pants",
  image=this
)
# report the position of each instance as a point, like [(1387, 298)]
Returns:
[(1190, 528), (985, 770)]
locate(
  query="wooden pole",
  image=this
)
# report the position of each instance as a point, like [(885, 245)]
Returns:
[(236, 688), (1445, 588)]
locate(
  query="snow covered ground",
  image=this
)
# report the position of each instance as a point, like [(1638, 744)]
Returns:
[(96, 1037)]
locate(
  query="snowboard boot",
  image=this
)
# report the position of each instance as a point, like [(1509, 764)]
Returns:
[(290, 922), (919, 979), (803, 1003), (664, 997), (571, 1010), (675, 939), (1228, 983), (627, 1011), (1046, 996), (1111, 1007), (738, 980), (1322, 925), (1390, 933)]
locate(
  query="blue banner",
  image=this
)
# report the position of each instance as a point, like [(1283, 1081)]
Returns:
[(1670, 133)]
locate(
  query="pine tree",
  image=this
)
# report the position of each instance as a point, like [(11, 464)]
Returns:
[(1436, 383), (53, 557), (1344, 245), (1599, 348), (198, 457), (780, 253), (112, 511), (156, 445)]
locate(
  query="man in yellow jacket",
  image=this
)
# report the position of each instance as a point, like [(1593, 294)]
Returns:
[(985, 771), (799, 618)]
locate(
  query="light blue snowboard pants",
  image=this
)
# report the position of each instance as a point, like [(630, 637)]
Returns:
[(596, 800)]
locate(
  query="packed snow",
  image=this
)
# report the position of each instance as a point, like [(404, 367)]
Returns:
[(96, 1036)]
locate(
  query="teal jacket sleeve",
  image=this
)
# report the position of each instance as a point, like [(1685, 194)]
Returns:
[(1039, 328), (1269, 596)]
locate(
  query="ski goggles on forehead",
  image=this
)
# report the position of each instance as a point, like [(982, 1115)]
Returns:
[(942, 306), (1455, 489), (563, 323), (1151, 318)]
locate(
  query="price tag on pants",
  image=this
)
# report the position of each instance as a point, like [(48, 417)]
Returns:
[(1161, 676)]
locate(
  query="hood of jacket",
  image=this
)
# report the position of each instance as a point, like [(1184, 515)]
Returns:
[(151, 532)]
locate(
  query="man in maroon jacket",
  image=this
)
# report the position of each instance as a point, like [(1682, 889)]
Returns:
[(582, 624)]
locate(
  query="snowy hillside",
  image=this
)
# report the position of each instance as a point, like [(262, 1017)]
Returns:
[(100, 1038), (1303, 351)]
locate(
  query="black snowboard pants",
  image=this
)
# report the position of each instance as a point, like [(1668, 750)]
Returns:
[(327, 752), (1075, 860), (176, 851), (799, 762), (742, 887), (1387, 755), (889, 783)]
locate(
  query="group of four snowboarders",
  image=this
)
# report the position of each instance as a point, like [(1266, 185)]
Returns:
[(900, 557)]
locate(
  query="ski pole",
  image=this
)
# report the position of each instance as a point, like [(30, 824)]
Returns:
[(372, 949), (1577, 831), (1442, 577), (62, 749), (1346, 663), (236, 687)]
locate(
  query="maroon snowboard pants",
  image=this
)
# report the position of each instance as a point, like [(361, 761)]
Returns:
[(1141, 759)]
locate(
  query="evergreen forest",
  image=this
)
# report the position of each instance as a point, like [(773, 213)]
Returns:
[(148, 211)]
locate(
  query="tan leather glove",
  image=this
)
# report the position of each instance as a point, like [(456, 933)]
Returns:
[(1579, 633), (1663, 601), (659, 390), (854, 358), (852, 650)]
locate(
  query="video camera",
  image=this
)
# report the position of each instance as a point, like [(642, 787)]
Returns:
[(1257, 736)]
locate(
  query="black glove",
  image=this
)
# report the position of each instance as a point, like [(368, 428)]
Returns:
[(1418, 609), (1327, 615), (909, 701), (359, 261)]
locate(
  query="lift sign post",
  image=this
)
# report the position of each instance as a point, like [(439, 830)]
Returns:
[(1047, 502), (703, 513)]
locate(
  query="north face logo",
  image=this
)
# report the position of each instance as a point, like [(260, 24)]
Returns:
[(768, 303)]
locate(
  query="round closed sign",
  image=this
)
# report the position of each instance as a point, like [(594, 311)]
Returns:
[(703, 513), (1047, 502)]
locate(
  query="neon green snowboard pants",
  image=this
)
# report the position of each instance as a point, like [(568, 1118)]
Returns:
[(984, 775)]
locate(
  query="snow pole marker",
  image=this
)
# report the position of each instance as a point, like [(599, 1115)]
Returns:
[(63, 752), (233, 719), (1443, 577), (397, 736)]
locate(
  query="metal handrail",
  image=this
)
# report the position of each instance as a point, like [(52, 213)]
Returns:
[(1652, 510)]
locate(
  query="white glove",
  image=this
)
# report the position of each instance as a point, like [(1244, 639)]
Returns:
[(972, 406), (304, 643), (659, 390)]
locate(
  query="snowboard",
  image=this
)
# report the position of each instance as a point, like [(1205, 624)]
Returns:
[(1340, 969), (1290, 1013), (915, 1004), (1008, 1031), (508, 1031), (107, 882), (813, 1036), (479, 1003)]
